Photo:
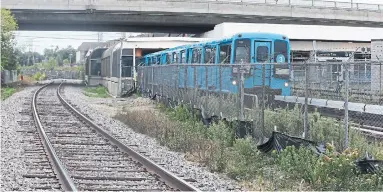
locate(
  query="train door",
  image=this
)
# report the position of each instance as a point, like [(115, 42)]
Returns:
[(262, 56)]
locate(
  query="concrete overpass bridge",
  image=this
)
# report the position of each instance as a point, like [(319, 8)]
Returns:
[(192, 16)]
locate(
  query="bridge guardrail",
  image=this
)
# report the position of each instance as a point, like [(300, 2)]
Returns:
[(301, 3)]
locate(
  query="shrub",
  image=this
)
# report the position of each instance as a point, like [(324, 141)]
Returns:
[(37, 76), (333, 172), (292, 169)]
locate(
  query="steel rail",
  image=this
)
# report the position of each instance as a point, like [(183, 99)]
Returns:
[(62, 174), (168, 177)]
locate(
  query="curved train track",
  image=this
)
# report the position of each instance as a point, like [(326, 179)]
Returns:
[(86, 158)]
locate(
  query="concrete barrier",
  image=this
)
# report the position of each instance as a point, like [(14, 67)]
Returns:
[(8, 76)]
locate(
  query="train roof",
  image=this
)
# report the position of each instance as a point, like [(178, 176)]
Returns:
[(151, 42), (203, 43)]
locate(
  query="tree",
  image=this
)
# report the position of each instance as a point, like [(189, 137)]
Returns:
[(26, 58), (68, 53), (51, 64), (8, 26)]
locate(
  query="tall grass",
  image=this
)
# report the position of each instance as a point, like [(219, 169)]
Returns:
[(293, 169), (99, 91), (7, 92)]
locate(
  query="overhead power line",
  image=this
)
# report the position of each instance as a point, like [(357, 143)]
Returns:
[(70, 38)]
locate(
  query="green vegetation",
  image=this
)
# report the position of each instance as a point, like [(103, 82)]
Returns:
[(8, 26), (331, 172), (7, 92), (39, 76), (98, 91), (292, 169), (51, 64)]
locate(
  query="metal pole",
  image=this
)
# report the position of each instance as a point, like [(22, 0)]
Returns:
[(152, 82), (346, 108), (306, 118), (119, 79), (380, 81), (220, 89), (242, 86), (263, 102)]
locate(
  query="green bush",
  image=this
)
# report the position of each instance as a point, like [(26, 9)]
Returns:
[(245, 161), (7, 92), (292, 169), (333, 172)]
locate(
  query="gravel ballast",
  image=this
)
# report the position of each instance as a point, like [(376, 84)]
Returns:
[(13, 162), (101, 110)]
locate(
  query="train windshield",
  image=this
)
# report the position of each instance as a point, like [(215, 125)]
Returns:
[(280, 51), (242, 51)]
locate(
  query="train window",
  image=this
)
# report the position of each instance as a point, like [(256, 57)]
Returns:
[(242, 51), (280, 48), (262, 54), (169, 58), (196, 56), (183, 57), (224, 54), (209, 55), (158, 60), (175, 57)]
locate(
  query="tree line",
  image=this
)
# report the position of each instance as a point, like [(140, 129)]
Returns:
[(60, 56), (12, 57)]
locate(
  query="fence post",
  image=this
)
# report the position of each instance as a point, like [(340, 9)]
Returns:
[(177, 82), (242, 93), (152, 81), (220, 89), (346, 106), (306, 118), (380, 82), (263, 102)]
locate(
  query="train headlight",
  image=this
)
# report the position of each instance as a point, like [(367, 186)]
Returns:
[(234, 82), (286, 84)]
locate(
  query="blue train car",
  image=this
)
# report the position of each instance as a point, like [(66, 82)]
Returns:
[(268, 55)]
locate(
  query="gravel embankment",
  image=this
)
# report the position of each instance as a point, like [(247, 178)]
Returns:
[(102, 110), (13, 165)]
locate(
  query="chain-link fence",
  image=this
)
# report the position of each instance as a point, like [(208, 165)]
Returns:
[(267, 97)]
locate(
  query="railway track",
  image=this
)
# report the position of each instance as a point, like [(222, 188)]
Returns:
[(86, 158)]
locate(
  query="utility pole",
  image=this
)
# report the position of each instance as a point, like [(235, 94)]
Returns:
[(123, 35), (346, 107), (99, 36), (70, 58), (30, 49), (306, 117)]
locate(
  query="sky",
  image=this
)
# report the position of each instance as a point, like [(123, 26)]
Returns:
[(39, 40)]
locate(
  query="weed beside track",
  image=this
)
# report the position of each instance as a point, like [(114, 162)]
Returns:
[(292, 169)]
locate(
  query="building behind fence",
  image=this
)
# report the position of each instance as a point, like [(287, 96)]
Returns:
[(312, 85)]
